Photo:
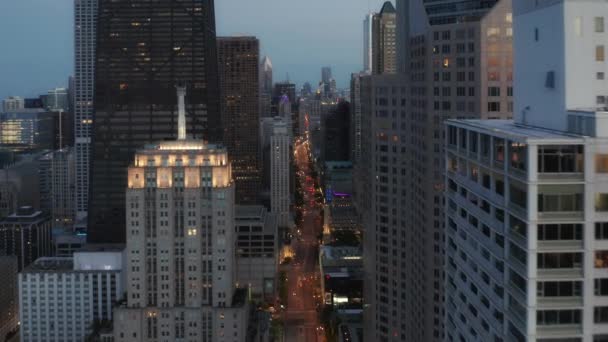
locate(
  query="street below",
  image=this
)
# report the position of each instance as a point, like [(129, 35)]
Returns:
[(301, 317)]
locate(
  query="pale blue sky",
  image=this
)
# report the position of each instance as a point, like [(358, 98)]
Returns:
[(300, 36)]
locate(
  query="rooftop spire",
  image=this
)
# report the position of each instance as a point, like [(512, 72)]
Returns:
[(181, 112)]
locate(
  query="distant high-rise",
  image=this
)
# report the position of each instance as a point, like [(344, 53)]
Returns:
[(13, 104), (455, 70), (180, 208), (326, 74), (280, 142), (367, 42), (144, 49), (239, 88), (58, 100), (383, 41), (336, 134), (56, 175), (85, 31), (265, 87)]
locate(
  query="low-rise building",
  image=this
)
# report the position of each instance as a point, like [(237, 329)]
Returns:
[(342, 276), (256, 250), (60, 299)]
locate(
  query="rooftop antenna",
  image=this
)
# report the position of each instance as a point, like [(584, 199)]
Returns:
[(181, 111)]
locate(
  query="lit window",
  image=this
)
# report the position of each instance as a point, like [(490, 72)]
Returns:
[(599, 53)]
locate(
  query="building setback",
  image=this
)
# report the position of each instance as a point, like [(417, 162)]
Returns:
[(143, 52), (181, 271), (239, 84)]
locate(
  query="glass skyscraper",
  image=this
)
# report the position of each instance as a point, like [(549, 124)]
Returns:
[(144, 49)]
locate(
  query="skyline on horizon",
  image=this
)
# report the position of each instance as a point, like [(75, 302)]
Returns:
[(28, 72)]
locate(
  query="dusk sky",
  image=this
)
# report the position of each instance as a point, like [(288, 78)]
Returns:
[(299, 36)]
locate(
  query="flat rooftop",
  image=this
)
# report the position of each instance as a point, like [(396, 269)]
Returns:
[(249, 212), (50, 264), (103, 247), (509, 129)]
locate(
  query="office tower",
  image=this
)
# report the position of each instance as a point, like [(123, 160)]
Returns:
[(61, 299), (460, 70), (142, 52), (265, 86), (257, 250), (284, 88), (9, 297), (336, 133), (367, 42), (529, 195), (56, 176), (326, 74), (27, 235), (239, 87), (326, 80), (181, 270), (383, 41), (58, 100), (85, 32), (306, 90), (19, 184), (280, 142), (13, 104), (27, 129), (31, 103)]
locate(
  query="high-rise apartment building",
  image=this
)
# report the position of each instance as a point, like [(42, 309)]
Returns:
[(239, 88), (265, 87), (383, 40), (143, 50), (454, 70), (9, 297), (60, 299), (526, 219), (180, 245), (85, 31), (27, 235), (280, 142)]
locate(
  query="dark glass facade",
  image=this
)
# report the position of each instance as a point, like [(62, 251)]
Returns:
[(442, 12), (144, 49), (239, 87)]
